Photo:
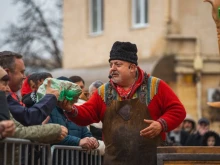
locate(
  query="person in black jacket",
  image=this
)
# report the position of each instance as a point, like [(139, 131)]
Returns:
[(13, 64), (211, 138), (4, 113), (7, 126), (195, 139)]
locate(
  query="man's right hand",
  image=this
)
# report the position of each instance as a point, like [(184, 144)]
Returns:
[(9, 128), (65, 105), (88, 143), (63, 133), (50, 90)]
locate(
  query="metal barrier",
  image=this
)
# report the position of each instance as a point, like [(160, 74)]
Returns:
[(74, 155), (14, 151), (24, 152)]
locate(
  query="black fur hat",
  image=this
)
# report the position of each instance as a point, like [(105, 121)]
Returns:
[(124, 51)]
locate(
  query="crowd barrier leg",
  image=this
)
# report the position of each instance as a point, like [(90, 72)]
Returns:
[(74, 155), (24, 152)]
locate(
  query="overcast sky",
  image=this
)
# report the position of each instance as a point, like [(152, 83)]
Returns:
[(8, 13)]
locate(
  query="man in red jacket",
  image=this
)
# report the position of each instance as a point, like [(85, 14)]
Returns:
[(136, 110)]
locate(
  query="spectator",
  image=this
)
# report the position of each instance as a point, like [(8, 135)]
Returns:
[(189, 124), (77, 135), (4, 114), (94, 86), (7, 127), (48, 133), (13, 64), (174, 137), (211, 138), (78, 80), (95, 128), (30, 86), (195, 139)]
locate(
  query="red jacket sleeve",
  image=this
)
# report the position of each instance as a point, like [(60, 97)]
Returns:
[(90, 112), (166, 108)]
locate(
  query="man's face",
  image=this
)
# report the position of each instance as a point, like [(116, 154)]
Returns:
[(203, 128), (187, 125), (4, 86), (80, 83), (33, 86), (17, 76), (120, 72)]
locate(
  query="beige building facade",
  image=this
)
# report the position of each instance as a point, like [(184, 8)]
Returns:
[(176, 40)]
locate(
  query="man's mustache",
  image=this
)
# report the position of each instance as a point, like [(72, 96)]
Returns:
[(114, 72)]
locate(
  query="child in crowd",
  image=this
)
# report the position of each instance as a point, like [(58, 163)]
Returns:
[(211, 138)]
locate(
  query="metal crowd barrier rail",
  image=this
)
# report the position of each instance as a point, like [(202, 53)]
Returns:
[(16, 151), (74, 155)]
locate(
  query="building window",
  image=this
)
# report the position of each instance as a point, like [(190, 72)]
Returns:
[(96, 16), (139, 13)]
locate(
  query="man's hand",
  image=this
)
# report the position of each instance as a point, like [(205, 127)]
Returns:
[(89, 143), (152, 130), (2, 128), (95, 142), (9, 128), (63, 133), (50, 90), (65, 105)]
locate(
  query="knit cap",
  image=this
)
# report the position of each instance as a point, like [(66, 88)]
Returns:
[(124, 51)]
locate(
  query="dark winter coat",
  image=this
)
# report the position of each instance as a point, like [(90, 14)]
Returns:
[(75, 132), (34, 115)]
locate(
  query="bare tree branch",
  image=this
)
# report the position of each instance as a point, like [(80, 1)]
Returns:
[(36, 35)]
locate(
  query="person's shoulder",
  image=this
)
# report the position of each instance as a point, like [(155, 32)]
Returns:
[(152, 79), (103, 88)]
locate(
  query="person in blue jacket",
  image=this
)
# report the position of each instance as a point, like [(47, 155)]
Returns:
[(77, 135), (13, 64)]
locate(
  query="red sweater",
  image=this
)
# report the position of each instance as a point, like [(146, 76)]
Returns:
[(163, 105)]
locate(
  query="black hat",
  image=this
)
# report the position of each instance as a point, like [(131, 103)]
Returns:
[(124, 51), (64, 78), (203, 120)]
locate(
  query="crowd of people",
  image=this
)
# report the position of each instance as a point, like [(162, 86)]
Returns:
[(125, 118), (192, 133)]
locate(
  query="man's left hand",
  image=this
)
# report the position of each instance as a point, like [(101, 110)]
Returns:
[(152, 130)]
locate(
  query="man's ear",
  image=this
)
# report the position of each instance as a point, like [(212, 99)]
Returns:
[(133, 67)]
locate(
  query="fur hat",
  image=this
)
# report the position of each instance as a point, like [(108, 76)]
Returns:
[(124, 51)]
